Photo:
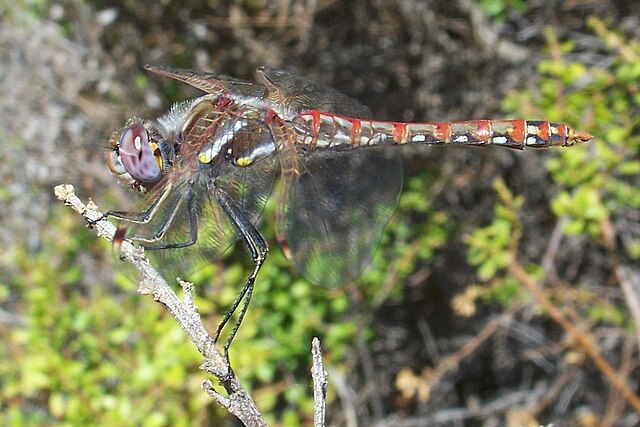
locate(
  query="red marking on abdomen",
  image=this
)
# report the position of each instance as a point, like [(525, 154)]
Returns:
[(518, 130), (354, 134), (399, 132), (544, 131)]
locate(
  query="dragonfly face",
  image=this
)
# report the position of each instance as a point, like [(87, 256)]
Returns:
[(138, 155)]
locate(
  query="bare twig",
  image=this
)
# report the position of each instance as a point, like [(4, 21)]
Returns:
[(238, 402), (584, 340), (457, 416), (452, 361), (319, 384)]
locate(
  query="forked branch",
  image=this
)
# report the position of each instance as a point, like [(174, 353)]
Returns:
[(238, 402)]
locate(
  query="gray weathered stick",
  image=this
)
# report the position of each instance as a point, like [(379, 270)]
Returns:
[(319, 384), (239, 403)]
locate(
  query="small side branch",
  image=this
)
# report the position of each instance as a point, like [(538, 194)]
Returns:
[(238, 402)]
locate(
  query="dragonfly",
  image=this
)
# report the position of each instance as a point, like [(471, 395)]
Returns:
[(207, 167)]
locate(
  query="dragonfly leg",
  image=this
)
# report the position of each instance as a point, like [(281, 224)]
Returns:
[(159, 234), (138, 217), (258, 248), (172, 211)]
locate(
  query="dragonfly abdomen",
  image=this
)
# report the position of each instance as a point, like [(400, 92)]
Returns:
[(322, 130)]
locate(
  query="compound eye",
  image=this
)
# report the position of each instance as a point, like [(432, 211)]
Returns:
[(136, 154), (114, 162)]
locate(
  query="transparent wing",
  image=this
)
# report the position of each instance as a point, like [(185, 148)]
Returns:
[(250, 187), (301, 94), (184, 224), (336, 212), (209, 82), (283, 87), (333, 205), (195, 227)]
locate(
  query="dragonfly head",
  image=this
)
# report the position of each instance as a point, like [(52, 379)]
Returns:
[(138, 156)]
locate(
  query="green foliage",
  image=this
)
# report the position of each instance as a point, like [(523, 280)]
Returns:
[(585, 208), (605, 313), (498, 9), (606, 180), (490, 248), (86, 354), (504, 292), (601, 179)]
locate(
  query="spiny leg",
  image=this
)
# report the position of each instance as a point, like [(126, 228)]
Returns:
[(172, 210), (138, 217), (258, 248), (193, 226)]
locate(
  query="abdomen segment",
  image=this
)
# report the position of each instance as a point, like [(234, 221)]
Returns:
[(322, 130)]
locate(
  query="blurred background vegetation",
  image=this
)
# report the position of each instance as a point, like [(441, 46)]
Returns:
[(462, 317)]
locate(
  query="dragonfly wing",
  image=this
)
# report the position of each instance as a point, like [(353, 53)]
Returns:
[(302, 94), (209, 82), (214, 231), (336, 211), (333, 205)]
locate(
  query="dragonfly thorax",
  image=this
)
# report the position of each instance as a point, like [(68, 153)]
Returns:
[(255, 143), (241, 137)]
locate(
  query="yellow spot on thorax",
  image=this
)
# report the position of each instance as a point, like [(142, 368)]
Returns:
[(244, 161)]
